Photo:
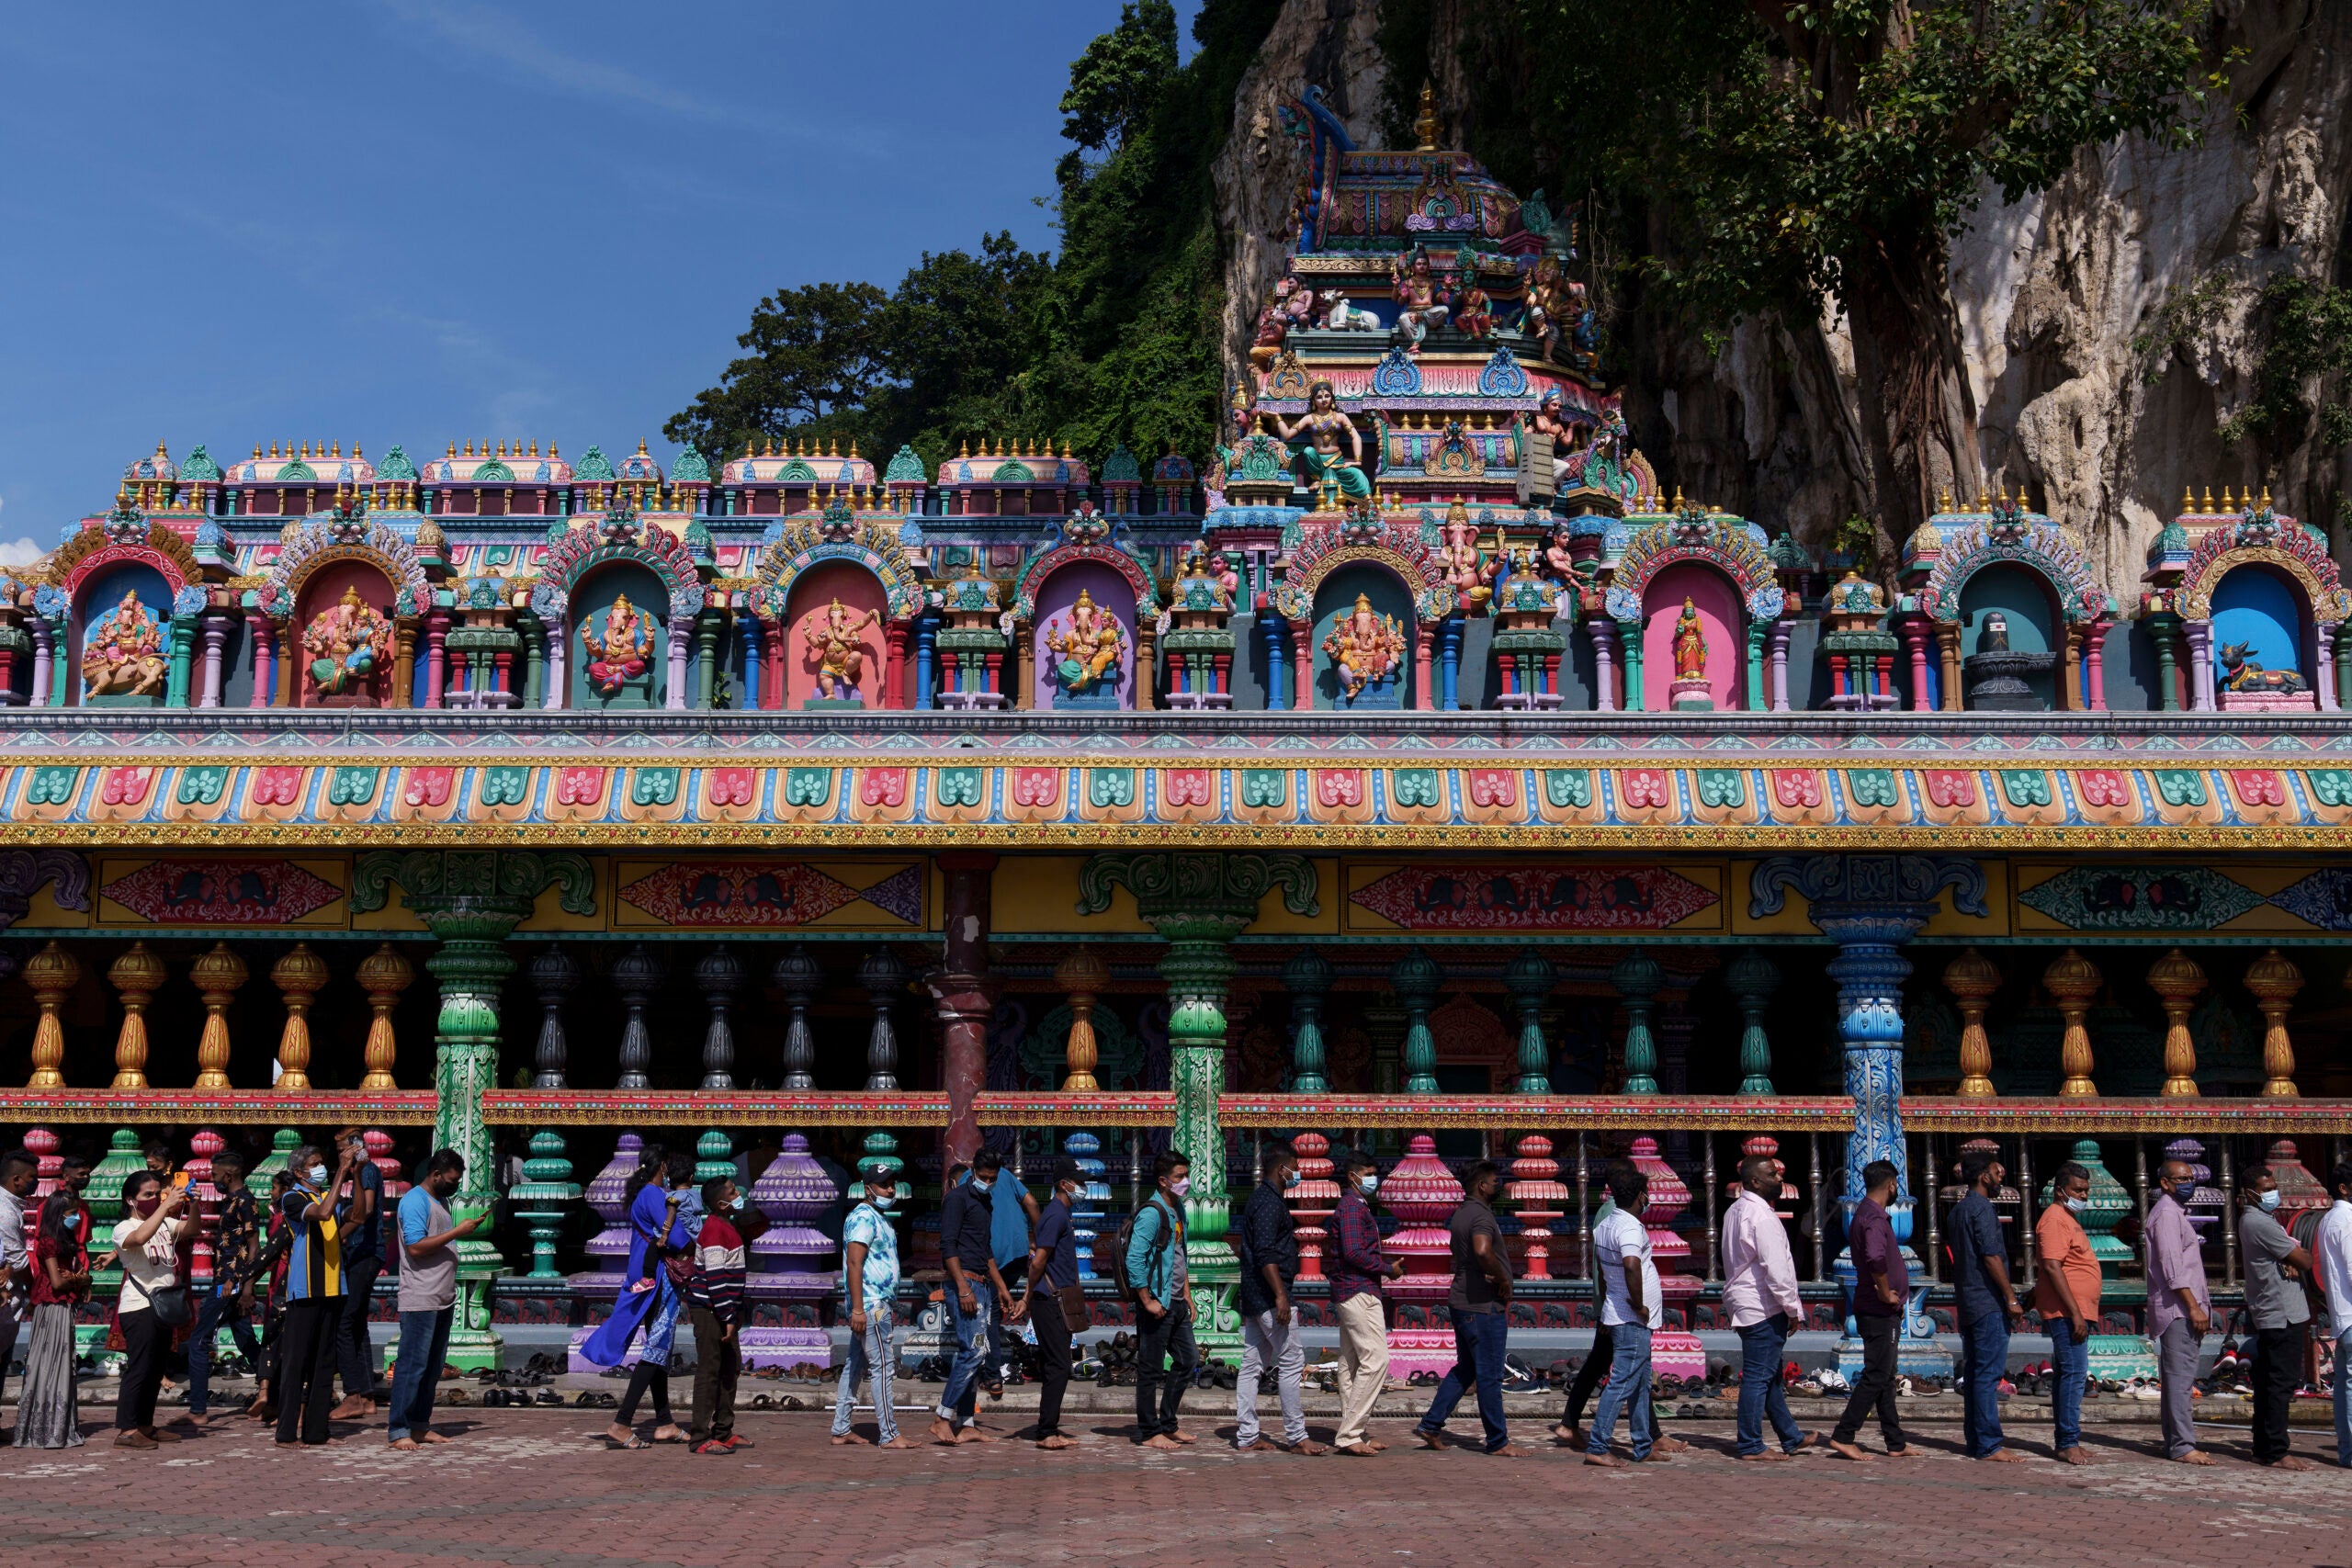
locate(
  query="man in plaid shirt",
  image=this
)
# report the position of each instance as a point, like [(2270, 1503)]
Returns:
[(1356, 1268)]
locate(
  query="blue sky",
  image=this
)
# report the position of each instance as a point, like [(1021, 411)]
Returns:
[(426, 220)]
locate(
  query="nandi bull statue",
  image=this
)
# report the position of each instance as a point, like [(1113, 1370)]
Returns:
[(2240, 674)]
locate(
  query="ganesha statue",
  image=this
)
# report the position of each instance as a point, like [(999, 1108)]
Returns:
[(1366, 648), (123, 656), (831, 635), (618, 649), (347, 644), (1086, 647)]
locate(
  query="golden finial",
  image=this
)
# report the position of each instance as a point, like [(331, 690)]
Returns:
[(1425, 124), (1943, 499), (640, 446), (2227, 505), (2188, 500), (551, 451), (1677, 497), (338, 450), (2266, 498), (256, 451), (2209, 500), (852, 447), (966, 450), (833, 446)]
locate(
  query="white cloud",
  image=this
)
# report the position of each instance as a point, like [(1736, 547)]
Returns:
[(20, 552)]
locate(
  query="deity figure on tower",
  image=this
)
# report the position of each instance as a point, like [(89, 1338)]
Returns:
[(617, 650), (1364, 647), (1425, 304), (123, 655), (346, 643), (1547, 304), (1476, 314), (1324, 426), (831, 635), (1088, 645)]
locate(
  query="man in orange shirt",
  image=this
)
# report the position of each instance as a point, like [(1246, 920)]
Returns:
[(2067, 1296)]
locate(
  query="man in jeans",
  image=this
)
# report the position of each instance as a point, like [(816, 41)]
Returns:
[(1476, 1301), (1881, 1295), (1760, 1293), (2066, 1293), (236, 1258), (870, 1286), (428, 1298), (360, 1217), (1631, 1308), (976, 1293), (2275, 1271), (1989, 1308), (2331, 1260), (1051, 1281), (1357, 1268), (2179, 1310), (1165, 1354), (1269, 1256)]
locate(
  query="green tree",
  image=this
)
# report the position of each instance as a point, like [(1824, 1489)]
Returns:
[(1776, 154), (1115, 85), (815, 359)]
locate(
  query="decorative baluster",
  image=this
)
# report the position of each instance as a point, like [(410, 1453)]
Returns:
[(53, 974), (1312, 1200), (1416, 978), (137, 974), (1752, 979), (282, 1144), (798, 976), (1422, 1193), (607, 1195), (714, 1155), (1637, 978), (1671, 1350), (1086, 1219), (791, 1261), (218, 975), (556, 977), (1714, 1206), (2072, 981), (1973, 980), (2274, 980), (720, 976), (1529, 978), (637, 975), (885, 980), (383, 975), (299, 976), (1536, 1193), (2177, 982), (42, 1144), (1308, 978), (543, 1198), (1081, 976)]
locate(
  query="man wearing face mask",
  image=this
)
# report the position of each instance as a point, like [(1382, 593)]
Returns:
[(314, 1293), (1357, 1268), (2275, 1270), (1059, 1308), (976, 1293), (1267, 1246), (1165, 1353), (1989, 1306), (2066, 1293), (870, 1289), (2332, 1257), (1760, 1293), (2179, 1309), (428, 1297), (714, 1297)]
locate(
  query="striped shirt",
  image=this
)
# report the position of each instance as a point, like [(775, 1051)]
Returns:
[(314, 1260), (717, 1283)]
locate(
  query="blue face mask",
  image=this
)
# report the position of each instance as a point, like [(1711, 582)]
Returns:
[(73, 1221), (979, 1185), (1290, 1180), (2077, 1204), (2268, 1201)]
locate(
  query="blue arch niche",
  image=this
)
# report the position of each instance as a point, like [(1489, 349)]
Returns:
[(2024, 599), (100, 592), (590, 599), (1335, 596), (2263, 607)]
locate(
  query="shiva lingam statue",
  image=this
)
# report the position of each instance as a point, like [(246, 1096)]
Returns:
[(831, 635), (618, 648), (1997, 676), (1690, 693), (123, 656), (347, 643), (1365, 649), (1088, 647)]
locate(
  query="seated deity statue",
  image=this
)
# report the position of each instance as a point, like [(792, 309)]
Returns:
[(1364, 647), (1324, 426), (1088, 647), (617, 650), (346, 644), (1425, 304), (123, 655)]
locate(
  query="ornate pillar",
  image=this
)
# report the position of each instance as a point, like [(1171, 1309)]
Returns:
[(2176, 980), (384, 974), (265, 631), (299, 976), (1199, 901), (1308, 978), (1302, 667), (1973, 980), (1915, 644), (680, 633), (2094, 662), (1780, 629), (1605, 664), (964, 997), (2200, 665), (720, 976), (1637, 980), (471, 900), (1629, 646), (556, 977), (885, 980), (436, 661), (1146, 681), (137, 974), (218, 975), (637, 975), (2274, 980), (52, 973), (706, 647), (46, 678), (1416, 979), (2072, 981), (798, 976), (215, 631), (1529, 978), (1752, 979), (1080, 975)]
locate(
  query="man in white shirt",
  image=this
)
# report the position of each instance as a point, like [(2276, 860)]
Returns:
[(1633, 1309), (2332, 1252), (19, 1173), (1760, 1293)]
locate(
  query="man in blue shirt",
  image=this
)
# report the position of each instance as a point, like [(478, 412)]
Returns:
[(360, 1216), (1053, 1301), (1987, 1307)]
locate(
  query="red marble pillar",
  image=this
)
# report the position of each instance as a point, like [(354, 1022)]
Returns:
[(966, 997), (894, 671)]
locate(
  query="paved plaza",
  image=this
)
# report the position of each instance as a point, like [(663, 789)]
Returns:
[(534, 1488)]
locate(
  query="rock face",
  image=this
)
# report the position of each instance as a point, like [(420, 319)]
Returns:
[(2109, 323)]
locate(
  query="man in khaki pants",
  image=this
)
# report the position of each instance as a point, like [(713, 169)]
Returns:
[(1356, 1270)]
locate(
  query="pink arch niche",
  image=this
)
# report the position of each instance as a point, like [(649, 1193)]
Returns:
[(1721, 616), (321, 591), (812, 598), (1055, 597)]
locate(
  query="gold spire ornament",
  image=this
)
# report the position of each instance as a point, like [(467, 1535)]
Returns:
[(1425, 124)]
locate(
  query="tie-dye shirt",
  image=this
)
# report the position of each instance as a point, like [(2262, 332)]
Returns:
[(870, 1226)]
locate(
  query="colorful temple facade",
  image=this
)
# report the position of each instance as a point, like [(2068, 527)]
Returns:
[(1413, 772)]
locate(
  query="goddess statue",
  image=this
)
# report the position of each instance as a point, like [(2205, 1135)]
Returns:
[(1323, 425), (1364, 645), (617, 653), (1475, 316), (123, 655), (831, 638), (1547, 304), (1690, 645), (346, 642), (1089, 645), (1425, 304)]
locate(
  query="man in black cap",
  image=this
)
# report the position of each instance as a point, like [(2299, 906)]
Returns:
[(1059, 1309)]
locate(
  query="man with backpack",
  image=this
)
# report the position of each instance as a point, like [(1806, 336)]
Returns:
[(1152, 1271)]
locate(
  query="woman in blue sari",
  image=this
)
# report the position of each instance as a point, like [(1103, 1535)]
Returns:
[(650, 1300)]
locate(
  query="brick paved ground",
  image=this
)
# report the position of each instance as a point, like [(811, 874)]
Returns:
[(531, 1488)]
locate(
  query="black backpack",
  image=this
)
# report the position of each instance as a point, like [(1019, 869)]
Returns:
[(1126, 1237)]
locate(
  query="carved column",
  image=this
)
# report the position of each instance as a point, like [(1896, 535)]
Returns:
[(384, 974), (1146, 681), (214, 631), (2274, 980), (1529, 978), (963, 994), (1752, 979), (2177, 982), (2072, 981), (556, 977), (299, 976), (798, 976), (1973, 980), (137, 974), (218, 975), (885, 980), (637, 975), (1081, 976), (1637, 980), (720, 976), (52, 973), (1416, 979), (1307, 977)]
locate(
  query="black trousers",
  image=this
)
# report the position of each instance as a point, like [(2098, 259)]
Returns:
[(719, 1364), (1876, 1385), (144, 1342), (1591, 1375), (306, 1349), (353, 1351), (2278, 1362), (649, 1374), (1053, 1358), (1165, 1358)]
